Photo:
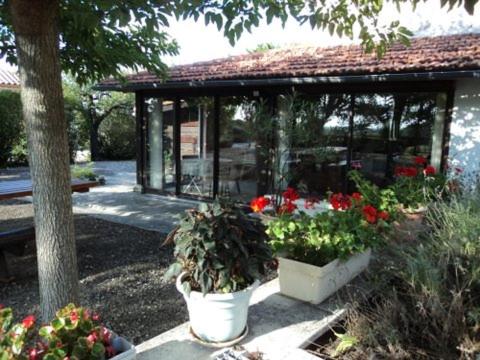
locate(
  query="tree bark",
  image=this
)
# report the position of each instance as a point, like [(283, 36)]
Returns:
[(37, 43), (94, 143)]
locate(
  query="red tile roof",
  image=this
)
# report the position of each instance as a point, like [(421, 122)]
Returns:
[(9, 79), (427, 54)]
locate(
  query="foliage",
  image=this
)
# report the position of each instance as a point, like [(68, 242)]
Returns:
[(117, 136), (262, 47), (426, 295), (83, 172), (74, 333), (351, 227), (110, 113), (417, 185), (13, 337), (11, 123), (383, 199), (220, 248), (100, 38)]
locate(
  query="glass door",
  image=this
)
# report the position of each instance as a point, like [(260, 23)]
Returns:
[(160, 156), (196, 146)]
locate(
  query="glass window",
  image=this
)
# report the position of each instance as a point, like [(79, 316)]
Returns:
[(313, 142), (246, 138)]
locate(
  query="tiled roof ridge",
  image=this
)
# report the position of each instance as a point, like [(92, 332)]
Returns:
[(425, 54)]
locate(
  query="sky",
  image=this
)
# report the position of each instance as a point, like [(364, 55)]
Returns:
[(199, 42)]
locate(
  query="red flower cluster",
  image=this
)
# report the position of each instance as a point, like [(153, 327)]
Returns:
[(357, 197), (287, 207), (408, 171), (429, 170), (372, 215), (420, 160), (290, 195), (340, 201), (259, 203)]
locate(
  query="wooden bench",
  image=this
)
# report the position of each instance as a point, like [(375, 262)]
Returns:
[(14, 241)]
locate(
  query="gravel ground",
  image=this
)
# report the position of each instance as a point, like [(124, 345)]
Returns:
[(120, 269)]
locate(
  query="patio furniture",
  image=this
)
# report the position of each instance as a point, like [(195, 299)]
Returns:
[(15, 241)]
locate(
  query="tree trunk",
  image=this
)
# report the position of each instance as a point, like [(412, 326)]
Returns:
[(37, 42), (94, 143)]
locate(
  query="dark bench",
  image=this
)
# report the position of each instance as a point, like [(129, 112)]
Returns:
[(13, 242)]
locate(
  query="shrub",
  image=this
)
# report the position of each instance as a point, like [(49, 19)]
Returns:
[(11, 124), (84, 172), (220, 248), (117, 136), (426, 299)]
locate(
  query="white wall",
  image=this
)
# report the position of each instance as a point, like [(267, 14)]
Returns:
[(465, 127)]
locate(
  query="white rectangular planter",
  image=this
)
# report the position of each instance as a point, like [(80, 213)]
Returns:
[(128, 351), (313, 283)]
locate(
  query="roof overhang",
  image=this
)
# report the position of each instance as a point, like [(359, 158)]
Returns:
[(346, 79)]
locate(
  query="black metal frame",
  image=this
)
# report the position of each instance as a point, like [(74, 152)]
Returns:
[(268, 91)]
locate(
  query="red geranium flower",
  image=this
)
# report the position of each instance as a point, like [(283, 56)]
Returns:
[(28, 321), (384, 215), (1, 306), (259, 203), (357, 196), (287, 207), (95, 317), (370, 214), (340, 201), (420, 160), (429, 170), (406, 171), (290, 194)]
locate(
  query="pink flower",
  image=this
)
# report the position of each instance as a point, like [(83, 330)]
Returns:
[(74, 316), (32, 354), (28, 322)]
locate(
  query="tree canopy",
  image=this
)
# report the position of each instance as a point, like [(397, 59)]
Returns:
[(101, 38)]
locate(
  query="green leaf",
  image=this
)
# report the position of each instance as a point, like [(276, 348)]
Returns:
[(174, 270)]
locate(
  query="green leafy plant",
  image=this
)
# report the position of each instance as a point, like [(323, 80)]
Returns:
[(417, 185), (352, 226), (220, 248), (382, 199), (426, 293), (84, 172), (75, 333), (14, 336)]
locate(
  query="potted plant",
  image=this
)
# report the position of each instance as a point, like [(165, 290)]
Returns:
[(321, 253), (74, 333), (220, 254)]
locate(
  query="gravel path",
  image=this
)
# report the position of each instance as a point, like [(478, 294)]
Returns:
[(120, 270)]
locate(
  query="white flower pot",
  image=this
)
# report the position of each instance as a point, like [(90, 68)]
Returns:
[(313, 283), (217, 317), (128, 351)]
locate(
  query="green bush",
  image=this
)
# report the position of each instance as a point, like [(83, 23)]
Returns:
[(11, 123), (117, 136), (426, 302)]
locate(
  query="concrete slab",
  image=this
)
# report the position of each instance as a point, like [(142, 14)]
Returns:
[(279, 327)]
